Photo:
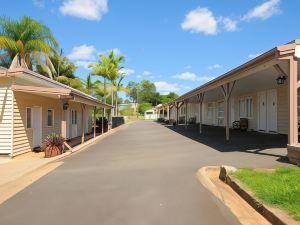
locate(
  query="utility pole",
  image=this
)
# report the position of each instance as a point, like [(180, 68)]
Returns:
[(137, 101)]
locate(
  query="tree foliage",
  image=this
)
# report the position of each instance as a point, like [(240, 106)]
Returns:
[(26, 37)]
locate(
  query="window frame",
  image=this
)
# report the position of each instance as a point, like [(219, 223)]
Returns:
[(210, 113), (52, 125), (248, 107), (27, 108)]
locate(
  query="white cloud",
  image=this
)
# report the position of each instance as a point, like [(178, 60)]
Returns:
[(229, 25), (186, 76), (200, 20), (84, 64), (192, 77), (39, 3), (252, 56), (85, 9), (263, 11), (83, 53), (127, 71), (188, 67), (165, 87), (147, 73), (215, 66), (139, 76)]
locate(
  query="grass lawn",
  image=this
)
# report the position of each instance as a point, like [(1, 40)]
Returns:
[(280, 188)]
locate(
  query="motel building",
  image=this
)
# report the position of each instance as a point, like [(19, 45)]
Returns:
[(264, 92), (33, 106)]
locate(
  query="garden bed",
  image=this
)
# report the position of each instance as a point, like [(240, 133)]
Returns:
[(278, 188)]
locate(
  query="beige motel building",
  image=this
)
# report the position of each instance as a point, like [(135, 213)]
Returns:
[(264, 90), (33, 106)]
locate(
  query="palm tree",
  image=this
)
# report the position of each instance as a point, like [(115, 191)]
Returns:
[(115, 72), (27, 38), (89, 85), (119, 87), (108, 68)]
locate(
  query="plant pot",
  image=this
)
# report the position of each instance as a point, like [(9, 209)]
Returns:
[(52, 151)]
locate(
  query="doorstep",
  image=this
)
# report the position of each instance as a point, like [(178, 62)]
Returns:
[(294, 153)]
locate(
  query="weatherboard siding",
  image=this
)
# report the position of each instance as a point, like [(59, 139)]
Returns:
[(22, 135), (6, 117)]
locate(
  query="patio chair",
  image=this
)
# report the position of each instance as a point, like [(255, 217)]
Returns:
[(241, 124)]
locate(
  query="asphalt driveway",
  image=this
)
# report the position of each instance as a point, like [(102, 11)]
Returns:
[(143, 174)]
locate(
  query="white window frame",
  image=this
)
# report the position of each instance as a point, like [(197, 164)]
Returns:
[(52, 125), (221, 118), (247, 107), (27, 118), (210, 110), (74, 117)]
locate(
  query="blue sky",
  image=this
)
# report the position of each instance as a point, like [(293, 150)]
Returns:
[(178, 45)]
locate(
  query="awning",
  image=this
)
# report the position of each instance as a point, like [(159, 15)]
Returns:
[(59, 92)]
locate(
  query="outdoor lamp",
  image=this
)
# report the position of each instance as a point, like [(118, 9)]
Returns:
[(65, 105), (280, 80)]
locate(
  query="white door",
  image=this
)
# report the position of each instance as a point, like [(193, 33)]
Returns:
[(87, 118), (36, 126), (73, 123), (272, 110), (262, 107)]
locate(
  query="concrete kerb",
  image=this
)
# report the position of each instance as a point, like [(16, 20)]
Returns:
[(273, 215)]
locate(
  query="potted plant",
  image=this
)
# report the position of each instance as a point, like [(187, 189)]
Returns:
[(53, 145)]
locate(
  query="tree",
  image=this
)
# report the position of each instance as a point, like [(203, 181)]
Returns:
[(62, 66), (88, 85), (144, 106), (132, 87), (28, 38), (119, 87), (168, 98)]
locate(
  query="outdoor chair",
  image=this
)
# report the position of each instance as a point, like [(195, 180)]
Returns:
[(241, 124)]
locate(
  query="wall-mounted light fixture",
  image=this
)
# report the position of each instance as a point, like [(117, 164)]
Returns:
[(280, 80), (65, 105)]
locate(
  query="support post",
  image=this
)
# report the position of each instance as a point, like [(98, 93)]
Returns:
[(200, 98), (95, 121), (110, 119), (168, 112), (293, 79), (177, 109), (185, 119), (227, 90), (102, 121), (64, 122), (82, 122)]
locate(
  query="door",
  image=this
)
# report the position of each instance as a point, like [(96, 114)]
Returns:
[(262, 109), (272, 110), (73, 123), (36, 126)]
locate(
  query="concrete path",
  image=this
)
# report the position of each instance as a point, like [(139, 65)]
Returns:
[(143, 174)]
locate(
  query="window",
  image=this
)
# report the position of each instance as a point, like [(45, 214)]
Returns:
[(50, 118), (249, 107), (210, 110), (28, 118), (246, 107), (149, 113), (220, 113), (242, 108), (221, 110), (74, 117)]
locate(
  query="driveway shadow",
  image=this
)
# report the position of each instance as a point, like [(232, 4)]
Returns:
[(251, 142)]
